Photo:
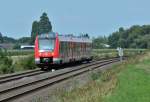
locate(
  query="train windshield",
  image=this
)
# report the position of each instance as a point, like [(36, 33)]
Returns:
[(46, 44)]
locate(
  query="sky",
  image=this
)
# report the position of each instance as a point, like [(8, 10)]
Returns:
[(95, 17)]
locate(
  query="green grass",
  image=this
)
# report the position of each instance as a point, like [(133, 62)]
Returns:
[(133, 84), (11, 64), (127, 82)]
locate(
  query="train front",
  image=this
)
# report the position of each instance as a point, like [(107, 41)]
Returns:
[(46, 49)]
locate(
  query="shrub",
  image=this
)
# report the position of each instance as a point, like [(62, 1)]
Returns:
[(95, 76), (16, 46), (6, 63), (28, 63), (5, 69)]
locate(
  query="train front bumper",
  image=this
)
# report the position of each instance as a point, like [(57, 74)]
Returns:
[(47, 61)]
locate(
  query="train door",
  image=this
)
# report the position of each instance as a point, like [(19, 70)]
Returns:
[(71, 50), (62, 52), (81, 49), (67, 51)]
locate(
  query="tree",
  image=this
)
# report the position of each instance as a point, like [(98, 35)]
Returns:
[(1, 38), (8, 39), (24, 40), (16, 46), (44, 24), (35, 31), (121, 29), (113, 40), (99, 42)]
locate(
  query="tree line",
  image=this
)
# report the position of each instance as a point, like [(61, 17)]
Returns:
[(134, 37)]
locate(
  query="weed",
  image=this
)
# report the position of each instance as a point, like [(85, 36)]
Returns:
[(95, 76), (5, 63), (26, 63)]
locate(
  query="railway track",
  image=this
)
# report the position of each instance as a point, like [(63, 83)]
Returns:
[(17, 91), (17, 76), (12, 77)]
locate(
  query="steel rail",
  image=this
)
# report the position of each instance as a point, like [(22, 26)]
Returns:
[(12, 77)]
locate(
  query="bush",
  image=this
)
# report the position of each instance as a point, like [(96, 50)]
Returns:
[(5, 69), (6, 63), (28, 63), (16, 46), (8, 66)]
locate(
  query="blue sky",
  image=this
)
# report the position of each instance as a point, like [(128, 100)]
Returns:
[(96, 17)]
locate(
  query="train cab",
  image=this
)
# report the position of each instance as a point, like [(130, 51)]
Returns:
[(46, 49)]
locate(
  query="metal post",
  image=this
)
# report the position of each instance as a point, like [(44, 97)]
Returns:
[(120, 53)]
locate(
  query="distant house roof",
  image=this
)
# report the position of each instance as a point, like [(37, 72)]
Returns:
[(27, 46), (6, 46), (106, 45)]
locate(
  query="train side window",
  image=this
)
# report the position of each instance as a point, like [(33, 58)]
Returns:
[(61, 48), (85, 47), (79, 48), (66, 49)]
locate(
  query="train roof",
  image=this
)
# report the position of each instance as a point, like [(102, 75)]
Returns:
[(67, 38)]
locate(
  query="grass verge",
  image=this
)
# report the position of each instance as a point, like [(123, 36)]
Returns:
[(127, 82), (133, 83)]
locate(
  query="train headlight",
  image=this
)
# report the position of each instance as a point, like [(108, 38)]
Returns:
[(52, 54), (40, 54), (37, 60)]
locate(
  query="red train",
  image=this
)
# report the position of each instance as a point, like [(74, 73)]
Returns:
[(53, 49)]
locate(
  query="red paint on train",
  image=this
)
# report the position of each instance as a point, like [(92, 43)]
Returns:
[(56, 49)]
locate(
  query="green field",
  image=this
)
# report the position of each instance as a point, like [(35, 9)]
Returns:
[(127, 82), (19, 52), (100, 52), (104, 53)]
